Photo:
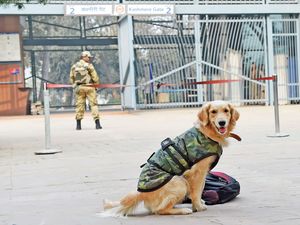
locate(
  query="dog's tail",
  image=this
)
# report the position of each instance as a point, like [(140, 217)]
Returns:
[(126, 206)]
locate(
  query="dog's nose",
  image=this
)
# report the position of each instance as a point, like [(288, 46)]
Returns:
[(222, 123)]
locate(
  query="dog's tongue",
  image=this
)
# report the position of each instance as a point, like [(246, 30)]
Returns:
[(222, 130)]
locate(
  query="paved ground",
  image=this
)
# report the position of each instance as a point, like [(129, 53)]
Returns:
[(68, 188)]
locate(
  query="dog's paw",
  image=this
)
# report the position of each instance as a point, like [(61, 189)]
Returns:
[(186, 211), (199, 207)]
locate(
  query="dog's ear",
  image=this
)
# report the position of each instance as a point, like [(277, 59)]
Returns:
[(235, 115), (203, 114)]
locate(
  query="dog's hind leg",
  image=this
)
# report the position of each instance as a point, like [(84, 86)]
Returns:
[(169, 210), (167, 205), (163, 200)]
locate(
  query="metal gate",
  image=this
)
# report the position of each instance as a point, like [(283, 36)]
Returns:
[(181, 61), (175, 58), (285, 52)]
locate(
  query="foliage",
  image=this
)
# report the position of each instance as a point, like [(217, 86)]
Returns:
[(20, 4)]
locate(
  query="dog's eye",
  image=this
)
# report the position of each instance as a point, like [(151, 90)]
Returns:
[(214, 111), (226, 110)]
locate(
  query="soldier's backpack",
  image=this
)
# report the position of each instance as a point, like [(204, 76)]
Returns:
[(219, 188), (81, 73)]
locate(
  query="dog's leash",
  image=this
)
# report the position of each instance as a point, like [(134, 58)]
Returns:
[(235, 136)]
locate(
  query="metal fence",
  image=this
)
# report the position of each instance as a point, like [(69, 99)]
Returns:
[(174, 58), (175, 55), (53, 66), (285, 39), (47, 62)]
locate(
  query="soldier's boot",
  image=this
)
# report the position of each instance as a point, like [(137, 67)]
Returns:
[(78, 125), (97, 122)]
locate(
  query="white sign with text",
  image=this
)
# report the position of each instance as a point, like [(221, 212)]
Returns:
[(88, 10), (118, 9), (141, 9)]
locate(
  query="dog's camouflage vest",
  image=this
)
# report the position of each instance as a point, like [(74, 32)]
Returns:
[(175, 157)]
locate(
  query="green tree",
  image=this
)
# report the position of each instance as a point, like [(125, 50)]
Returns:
[(19, 3)]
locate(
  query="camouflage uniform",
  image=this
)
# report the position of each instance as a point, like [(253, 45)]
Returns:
[(84, 73), (185, 150)]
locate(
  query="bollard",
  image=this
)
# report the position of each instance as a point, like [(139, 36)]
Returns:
[(48, 149), (276, 109), (47, 117)]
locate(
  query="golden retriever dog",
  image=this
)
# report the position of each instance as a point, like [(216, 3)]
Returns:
[(215, 122)]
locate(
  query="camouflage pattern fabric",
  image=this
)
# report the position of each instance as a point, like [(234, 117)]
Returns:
[(81, 95), (84, 73), (81, 73), (189, 148)]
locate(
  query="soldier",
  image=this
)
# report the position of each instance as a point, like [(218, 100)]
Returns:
[(82, 74)]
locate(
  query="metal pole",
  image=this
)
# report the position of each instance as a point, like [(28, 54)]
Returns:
[(198, 47), (270, 52), (47, 149), (276, 109), (33, 72), (47, 116)]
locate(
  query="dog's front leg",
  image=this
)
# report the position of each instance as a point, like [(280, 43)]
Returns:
[(196, 180), (196, 184)]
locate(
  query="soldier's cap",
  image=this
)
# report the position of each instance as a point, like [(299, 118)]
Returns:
[(86, 53)]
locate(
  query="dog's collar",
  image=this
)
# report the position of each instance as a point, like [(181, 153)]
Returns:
[(235, 136)]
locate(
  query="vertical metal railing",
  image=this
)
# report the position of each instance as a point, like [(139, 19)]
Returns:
[(285, 39), (227, 46)]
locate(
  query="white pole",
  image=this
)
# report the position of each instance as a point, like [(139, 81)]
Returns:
[(47, 149), (276, 109), (47, 117)]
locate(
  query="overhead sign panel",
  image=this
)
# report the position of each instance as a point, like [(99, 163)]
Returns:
[(118, 9), (88, 10)]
